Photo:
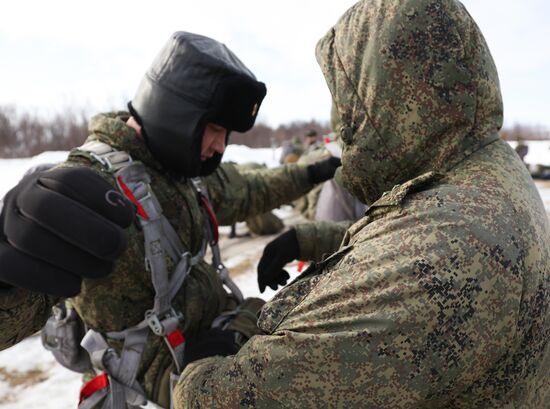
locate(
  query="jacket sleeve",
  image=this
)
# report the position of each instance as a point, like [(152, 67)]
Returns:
[(236, 196), (320, 238), (400, 321), (22, 313)]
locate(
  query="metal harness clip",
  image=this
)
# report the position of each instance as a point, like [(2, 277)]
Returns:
[(156, 324)]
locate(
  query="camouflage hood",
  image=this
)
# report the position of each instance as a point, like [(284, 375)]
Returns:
[(415, 87)]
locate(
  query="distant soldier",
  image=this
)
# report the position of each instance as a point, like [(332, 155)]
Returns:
[(311, 141), (522, 150)]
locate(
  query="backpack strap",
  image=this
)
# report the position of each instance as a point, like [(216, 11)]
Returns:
[(111, 159)]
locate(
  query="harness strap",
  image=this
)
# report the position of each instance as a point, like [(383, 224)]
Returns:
[(128, 193), (212, 234), (121, 371), (161, 240), (111, 159), (99, 383)]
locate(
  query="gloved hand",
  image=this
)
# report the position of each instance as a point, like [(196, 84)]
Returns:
[(59, 226), (323, 170), (276, 255), (214, 341)]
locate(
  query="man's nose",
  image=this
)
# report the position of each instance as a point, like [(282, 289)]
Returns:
[(219, 145)]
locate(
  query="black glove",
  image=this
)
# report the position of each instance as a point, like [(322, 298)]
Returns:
[(276, 255), (323, 170), (59, 226), (214, 341)]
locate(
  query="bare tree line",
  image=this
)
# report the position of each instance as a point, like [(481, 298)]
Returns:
[(521, 133), (23, 134)]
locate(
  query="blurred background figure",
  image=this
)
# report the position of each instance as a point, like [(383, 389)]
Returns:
[(522, 150), (291, 151)]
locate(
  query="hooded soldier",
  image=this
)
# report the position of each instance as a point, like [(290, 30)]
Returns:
[(120, 230), (438, 297)]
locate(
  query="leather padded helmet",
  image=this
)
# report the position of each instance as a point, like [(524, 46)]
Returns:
[(193, 80)]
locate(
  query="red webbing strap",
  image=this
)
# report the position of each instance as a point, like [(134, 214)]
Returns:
[(176, 345), (175, 338), (98, 383), (215, 225), (128, 193)]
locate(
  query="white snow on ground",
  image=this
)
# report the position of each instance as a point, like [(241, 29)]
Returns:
[(29, 376), (539, 152)]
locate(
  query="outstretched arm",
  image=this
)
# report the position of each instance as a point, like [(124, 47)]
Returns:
[(320, 238), (237, 195)]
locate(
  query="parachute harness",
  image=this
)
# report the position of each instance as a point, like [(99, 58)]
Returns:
[(116, 382)]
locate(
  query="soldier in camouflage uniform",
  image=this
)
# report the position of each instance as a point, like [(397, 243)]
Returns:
[(311, 141), (67, 233), (438, 297)]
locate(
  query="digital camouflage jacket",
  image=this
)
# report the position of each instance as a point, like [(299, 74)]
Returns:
[(438, 297), (121, 299)]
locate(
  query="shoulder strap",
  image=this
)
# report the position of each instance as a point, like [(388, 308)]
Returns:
[(111, 159)]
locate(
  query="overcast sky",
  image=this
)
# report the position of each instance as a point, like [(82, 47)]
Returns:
[(91, 55)]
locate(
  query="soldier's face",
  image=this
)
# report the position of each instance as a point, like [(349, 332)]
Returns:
[(213, 140)]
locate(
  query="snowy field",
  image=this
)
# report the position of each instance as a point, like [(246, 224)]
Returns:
[(539, 152), (29, 376)]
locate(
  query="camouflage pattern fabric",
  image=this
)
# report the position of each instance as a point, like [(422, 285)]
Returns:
[(438, 297), (316, 239), (307, 204), (266, 223), (22, 313), (121, 299)]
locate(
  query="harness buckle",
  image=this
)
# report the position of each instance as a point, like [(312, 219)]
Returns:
[(223, 272), (154, 323), (157, 325)]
